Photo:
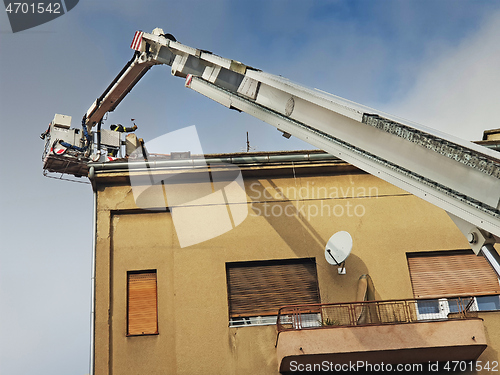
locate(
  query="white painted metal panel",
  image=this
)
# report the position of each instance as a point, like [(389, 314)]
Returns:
[(353, 130)]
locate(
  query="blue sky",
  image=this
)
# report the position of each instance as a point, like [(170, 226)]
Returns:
[(433, 62)]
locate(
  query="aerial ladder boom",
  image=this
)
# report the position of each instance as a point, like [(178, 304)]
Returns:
[(117, 90), (458, 176)]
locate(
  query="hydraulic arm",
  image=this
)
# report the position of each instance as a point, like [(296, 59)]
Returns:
[(458, 176)]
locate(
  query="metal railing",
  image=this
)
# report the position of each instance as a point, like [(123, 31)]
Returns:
[(331, 315)]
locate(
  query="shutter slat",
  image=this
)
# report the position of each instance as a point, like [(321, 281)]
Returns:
[(261, 288), (142, 303), (454, 274)]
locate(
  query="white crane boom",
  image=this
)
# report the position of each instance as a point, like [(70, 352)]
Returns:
[(458, 176)]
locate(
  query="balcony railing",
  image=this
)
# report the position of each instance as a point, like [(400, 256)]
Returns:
[(333, 315)]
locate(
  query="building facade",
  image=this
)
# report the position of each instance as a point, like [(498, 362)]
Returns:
[(231, 276)]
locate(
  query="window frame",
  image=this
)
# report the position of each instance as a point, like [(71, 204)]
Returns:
[(138, 272), (442, 290), (444, 302), (445, 306), (242, 320)]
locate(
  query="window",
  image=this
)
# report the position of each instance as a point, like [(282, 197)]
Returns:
[(488, 303), (142, 311), (448, 279), (433, 309), (428, 307), (256, 290), (451, 274)]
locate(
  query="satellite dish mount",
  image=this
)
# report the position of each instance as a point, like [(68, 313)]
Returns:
[(337, 250)]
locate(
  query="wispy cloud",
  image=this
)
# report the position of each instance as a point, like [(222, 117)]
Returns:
[(457, 90)]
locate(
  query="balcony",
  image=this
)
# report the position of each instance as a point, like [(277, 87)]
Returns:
[(403, 331)]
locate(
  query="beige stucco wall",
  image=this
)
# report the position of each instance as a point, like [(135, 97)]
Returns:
[(194, 337)]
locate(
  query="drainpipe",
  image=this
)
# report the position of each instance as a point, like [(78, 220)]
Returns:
[(92, 293), (203, 161)]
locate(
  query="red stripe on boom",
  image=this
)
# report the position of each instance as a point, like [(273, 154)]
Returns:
[(137, 41)]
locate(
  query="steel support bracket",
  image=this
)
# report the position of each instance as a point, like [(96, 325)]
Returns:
[(476, 237)]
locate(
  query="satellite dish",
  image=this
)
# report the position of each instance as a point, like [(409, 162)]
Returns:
[(338, 248)]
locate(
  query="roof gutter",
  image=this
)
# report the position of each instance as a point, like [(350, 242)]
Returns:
[(201, 162)]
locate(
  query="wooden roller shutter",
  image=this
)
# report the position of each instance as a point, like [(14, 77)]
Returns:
[(451, 273), (142, 303), (261, 288)]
